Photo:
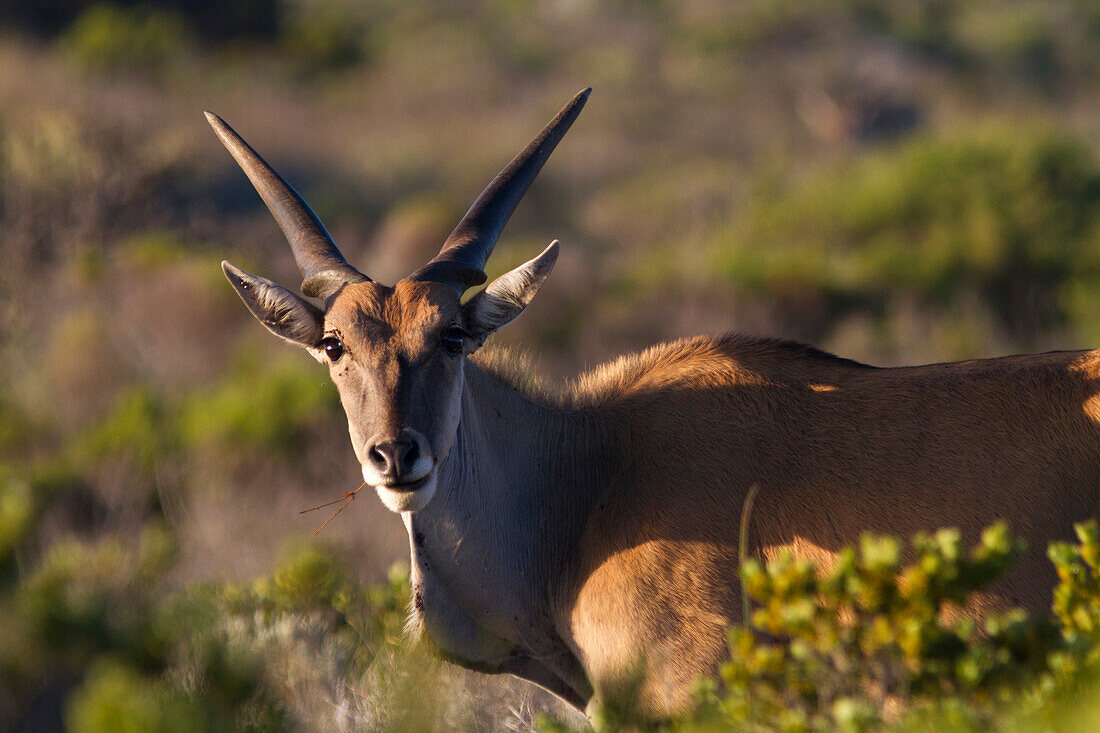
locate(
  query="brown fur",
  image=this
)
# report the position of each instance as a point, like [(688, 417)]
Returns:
[(582, 536), (836, 448)]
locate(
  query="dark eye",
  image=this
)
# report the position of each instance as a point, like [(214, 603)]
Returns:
[(453, 340), (333, 348)]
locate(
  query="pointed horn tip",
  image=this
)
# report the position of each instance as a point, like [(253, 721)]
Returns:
[(578, 101), (225, 133)]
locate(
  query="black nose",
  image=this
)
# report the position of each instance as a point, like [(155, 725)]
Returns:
[(394, 458)]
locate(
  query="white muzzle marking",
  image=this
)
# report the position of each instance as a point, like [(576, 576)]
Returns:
[(409, 496)]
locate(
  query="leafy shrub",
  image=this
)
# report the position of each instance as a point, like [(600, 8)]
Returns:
[(310, 589), (135, 428), (16, 512), (88, 628), (115, 697), (269, 410), (325, 35), (109, 38), (869, 645), (1077, 597), (872, 631), (1011, 215), (93, 629)]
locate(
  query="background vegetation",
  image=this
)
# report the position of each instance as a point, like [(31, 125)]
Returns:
[(893, 181)]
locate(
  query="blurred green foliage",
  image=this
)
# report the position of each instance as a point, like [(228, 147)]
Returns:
[(91, 635), (16, 428), (108, 38), (115, 697), (16, 512), (323, 35), (91, 632), (1036, 41), (1008, 215), (265, 411), (134, 428)]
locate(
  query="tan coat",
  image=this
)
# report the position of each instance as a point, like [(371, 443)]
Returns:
[(836, 448)]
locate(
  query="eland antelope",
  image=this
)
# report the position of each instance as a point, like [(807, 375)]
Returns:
[(568, 536)]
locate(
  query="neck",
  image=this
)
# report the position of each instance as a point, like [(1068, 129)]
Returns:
[(514, 494), (492, 547), (490, 550), (520, 472)]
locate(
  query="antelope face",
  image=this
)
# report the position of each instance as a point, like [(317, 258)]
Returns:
[(396, 356), (396, 353)]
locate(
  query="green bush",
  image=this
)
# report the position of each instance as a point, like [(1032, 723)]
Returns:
[(1011, 216), (16, 512), (91, 624), (872, 630), (135, 428), (325, 35), (98, 623), (266, 410), (116, 697), (310, 587), (870, 644), (109, 38)]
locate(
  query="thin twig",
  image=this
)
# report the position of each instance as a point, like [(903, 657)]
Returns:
[(347, 497), (343, 496), (746, 515), (743, 549)]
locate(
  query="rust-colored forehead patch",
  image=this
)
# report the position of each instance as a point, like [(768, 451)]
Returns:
[(401, 316)]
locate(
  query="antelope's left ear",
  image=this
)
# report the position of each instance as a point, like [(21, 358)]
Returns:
[(507, 296)]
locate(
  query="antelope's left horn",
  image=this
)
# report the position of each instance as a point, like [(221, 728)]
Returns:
[(461, 261)]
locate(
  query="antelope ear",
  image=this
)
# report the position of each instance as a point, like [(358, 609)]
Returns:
[(281, 311), (507, 296)]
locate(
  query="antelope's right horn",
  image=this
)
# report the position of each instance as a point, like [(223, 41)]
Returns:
[(324, 269)]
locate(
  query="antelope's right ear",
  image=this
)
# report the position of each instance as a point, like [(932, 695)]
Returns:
[(281, 311)]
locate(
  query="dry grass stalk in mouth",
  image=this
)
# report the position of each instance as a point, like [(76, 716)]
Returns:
[(347, 497)]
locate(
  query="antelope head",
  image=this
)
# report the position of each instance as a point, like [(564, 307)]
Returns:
[(396, 354)]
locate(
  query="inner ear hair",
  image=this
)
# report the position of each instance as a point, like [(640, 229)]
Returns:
[(282, 312), (507, 296), (291, 318)]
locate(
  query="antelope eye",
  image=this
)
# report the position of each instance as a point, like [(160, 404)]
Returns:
[(453, 340), (333, 348)]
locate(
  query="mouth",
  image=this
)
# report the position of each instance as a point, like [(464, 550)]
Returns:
[(407, 486), (407, 496)]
